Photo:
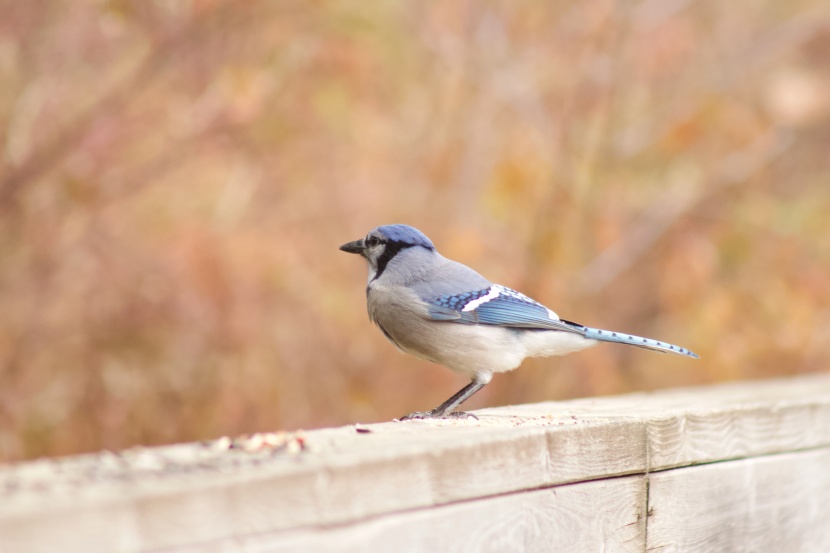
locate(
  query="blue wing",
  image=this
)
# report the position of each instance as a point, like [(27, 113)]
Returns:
[(498, 306)]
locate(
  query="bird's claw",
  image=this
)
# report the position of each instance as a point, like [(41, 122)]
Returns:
[(421, 415)]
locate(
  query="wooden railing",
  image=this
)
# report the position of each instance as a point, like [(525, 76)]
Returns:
[(737, 467)]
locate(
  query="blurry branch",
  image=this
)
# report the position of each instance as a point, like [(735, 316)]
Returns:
[(678, 201), (732, 169), (653, 13), (480, 140), (61, 144), (54, 150), (784, 38)]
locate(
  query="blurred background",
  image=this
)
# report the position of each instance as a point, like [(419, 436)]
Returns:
[(176, 178)]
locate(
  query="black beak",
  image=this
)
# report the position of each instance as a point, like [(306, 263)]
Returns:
[(354, 247)]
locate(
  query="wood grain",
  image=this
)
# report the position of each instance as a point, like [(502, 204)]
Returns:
[(587, 517), (777, 503), (161, 498)]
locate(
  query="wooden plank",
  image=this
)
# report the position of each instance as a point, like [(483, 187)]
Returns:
[(604, 515), (343, 476), (714, 423), (774, 503), (147, 499)]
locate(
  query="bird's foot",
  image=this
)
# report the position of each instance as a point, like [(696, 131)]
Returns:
[(420, 415)]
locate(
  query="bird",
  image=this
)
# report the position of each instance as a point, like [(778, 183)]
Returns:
[(442, 311)]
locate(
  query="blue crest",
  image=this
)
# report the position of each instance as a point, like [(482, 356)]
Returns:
[(405, 234)]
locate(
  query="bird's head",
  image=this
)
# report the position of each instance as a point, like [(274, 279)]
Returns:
[(382, 244)]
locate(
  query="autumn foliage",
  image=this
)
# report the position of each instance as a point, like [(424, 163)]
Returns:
[(176, 177)]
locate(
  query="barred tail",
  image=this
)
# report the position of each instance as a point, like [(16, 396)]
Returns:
[(637, 341)]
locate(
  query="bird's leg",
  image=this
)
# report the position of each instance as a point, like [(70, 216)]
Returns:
[(445, 410)]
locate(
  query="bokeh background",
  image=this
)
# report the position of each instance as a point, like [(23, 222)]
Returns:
[(176, 178)]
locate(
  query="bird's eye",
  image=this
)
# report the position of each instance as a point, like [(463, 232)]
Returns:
[(372, 241)]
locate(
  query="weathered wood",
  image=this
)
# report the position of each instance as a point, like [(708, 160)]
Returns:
[(775, 503), (585, 517), (152, 499)]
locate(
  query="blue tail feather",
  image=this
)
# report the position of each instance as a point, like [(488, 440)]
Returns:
[(637, 341)]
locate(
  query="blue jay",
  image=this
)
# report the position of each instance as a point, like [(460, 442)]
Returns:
[(442, 311)]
